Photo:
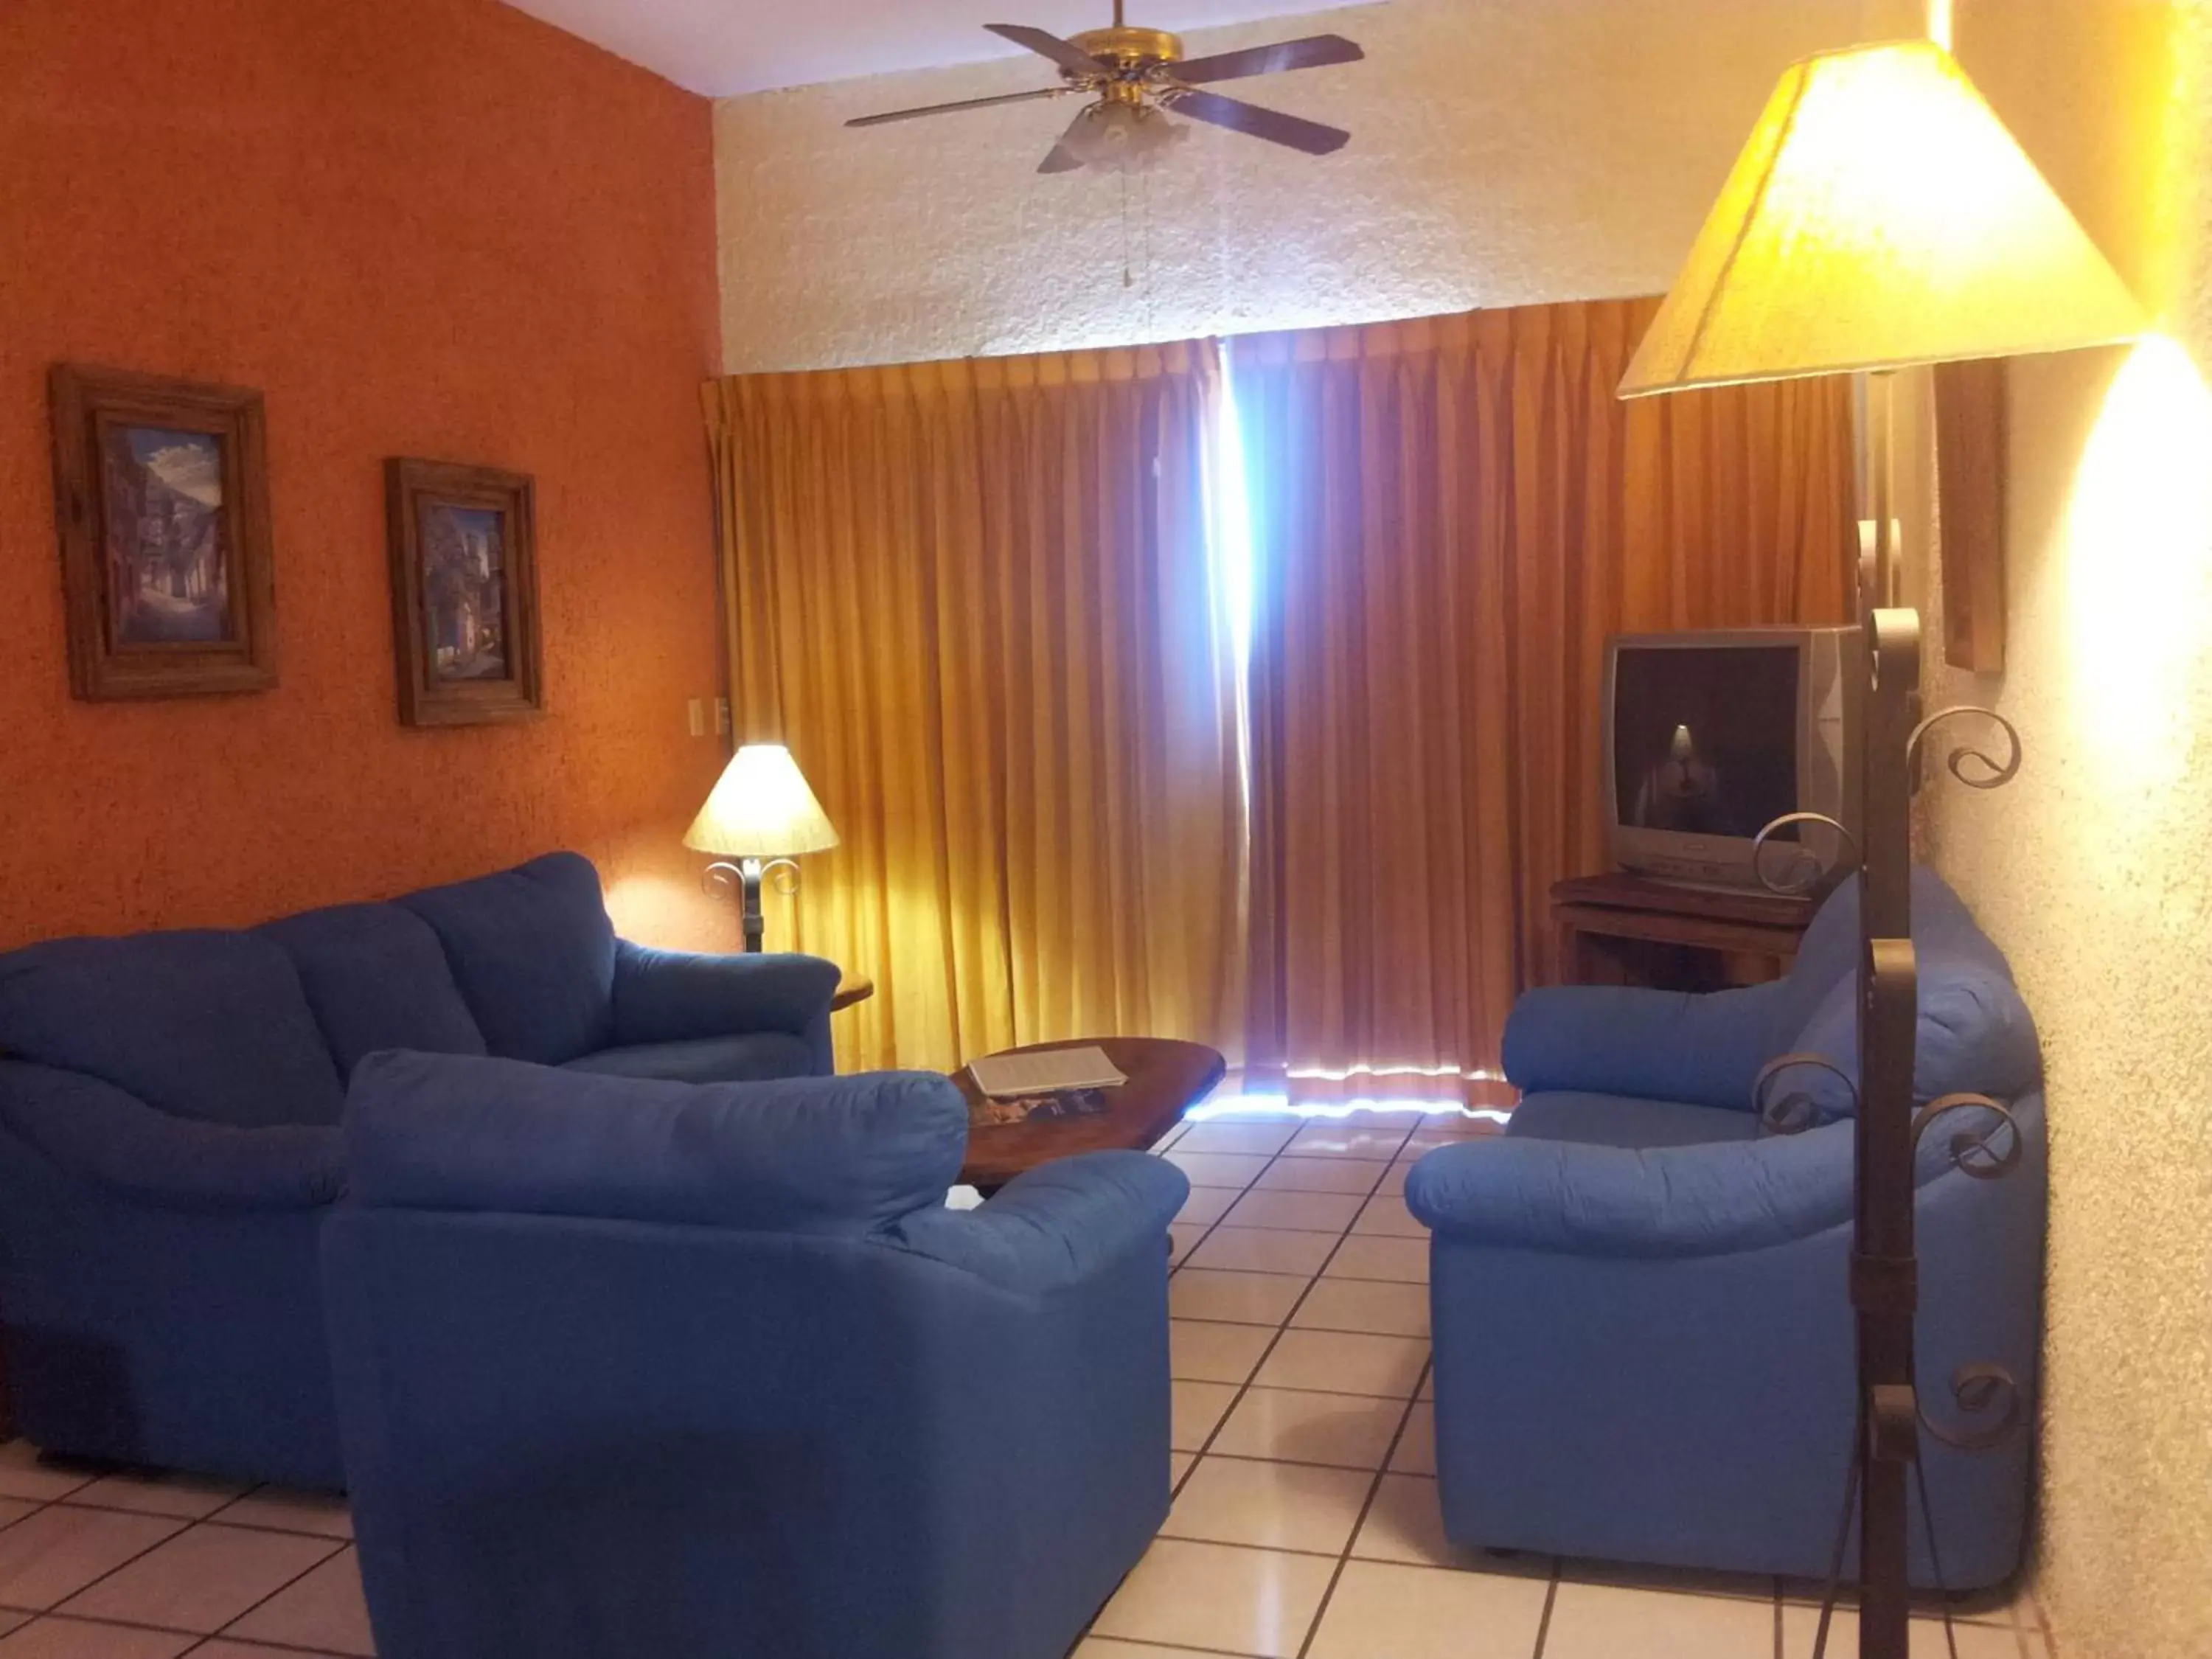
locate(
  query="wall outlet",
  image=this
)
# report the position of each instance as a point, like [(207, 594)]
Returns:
[(696, 712), (721, 717)]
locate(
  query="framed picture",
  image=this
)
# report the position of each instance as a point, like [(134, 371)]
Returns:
[(161, 494), (464, 593)]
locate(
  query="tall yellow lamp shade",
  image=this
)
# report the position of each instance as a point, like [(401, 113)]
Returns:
[(1881, 216), (762, 815)]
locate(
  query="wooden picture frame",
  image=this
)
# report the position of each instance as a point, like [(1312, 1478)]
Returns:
[(1970, 468), (162, 502), (464, 548)]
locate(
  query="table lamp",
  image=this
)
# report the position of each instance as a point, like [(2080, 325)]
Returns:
[(762, 815), (1881, 218)]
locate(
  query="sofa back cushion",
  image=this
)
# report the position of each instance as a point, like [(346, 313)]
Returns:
[(212, 1026), (533, 953), (816, 1155), (1974, 1034), (377, 978)]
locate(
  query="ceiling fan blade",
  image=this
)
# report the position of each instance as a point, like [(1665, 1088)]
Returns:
[(1063, 158), (965, 103), (1315, 52), (1272, 124), (1069, 55)]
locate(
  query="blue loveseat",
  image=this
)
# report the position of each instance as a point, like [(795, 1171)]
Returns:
[(169, 1106), (648, 1368), (1643, 1340)]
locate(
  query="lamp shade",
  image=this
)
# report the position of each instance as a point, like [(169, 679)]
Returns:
[(760, 808), (1881, 216)]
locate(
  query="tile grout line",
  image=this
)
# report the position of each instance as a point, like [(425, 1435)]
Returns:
[(1551, 1601), (1374, 1490), (248, 1612)]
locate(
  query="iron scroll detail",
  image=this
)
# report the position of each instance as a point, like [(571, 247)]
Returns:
[(1817, 873), (1990, 773), (1794, 1112), (1976, 1155), (1980, 1391)]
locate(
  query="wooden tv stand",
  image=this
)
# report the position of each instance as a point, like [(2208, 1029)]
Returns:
[(1632, 930)]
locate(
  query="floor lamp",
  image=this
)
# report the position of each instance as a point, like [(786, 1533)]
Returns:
[(1880, 218)]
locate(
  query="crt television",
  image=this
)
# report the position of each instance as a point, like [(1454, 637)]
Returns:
[(1711, 736)]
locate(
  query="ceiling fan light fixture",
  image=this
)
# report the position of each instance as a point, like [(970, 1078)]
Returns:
[(1116, 135)]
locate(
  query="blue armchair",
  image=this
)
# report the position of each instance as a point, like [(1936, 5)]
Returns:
[(1644, 1341), (168, 1134), (644, 1369)]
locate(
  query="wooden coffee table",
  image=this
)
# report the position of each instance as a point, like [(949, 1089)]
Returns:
[(1166, 1077)]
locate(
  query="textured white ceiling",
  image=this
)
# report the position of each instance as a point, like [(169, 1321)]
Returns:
[(721, 47)]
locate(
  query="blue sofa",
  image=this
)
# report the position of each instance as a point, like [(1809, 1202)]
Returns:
[(168, 1134), (648, 1369), (1643, 1340)]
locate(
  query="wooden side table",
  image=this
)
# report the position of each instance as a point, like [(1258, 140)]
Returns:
[(1630, 930), (854, 987)]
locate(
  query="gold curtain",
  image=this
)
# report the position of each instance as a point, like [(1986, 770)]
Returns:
[(976, 600), (1448, 517)]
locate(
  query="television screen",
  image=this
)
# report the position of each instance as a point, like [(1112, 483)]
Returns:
[(1704, 738)]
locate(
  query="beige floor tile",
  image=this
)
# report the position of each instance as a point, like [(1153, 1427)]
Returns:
[(12, 1509), (323, 1513), (1368, 1256), (1356, 1175), (1217, 1169), (188, 1496), (1316, 1212), (1345, 1430), (1240, 1298), (322, 1611), (1350, 1138), (76, 1639), (1205, 1206), (1394, 1178), (1231, 1599), (224, 1648), (1603, 1622), (1109, 1647), (1199, 1407), (1183, 1237), (1447, 1131), (1386, 1213), (1365, 1304), (1283, 1507), (1800, 1623), (1342, 1362), (201, 1579), (1380, 1611), (1179, 1465), (22, 1475), (1265, 1137), (1264, 1250), (1417, 1446), (1428, 1389), (1405, 1524), (1167, 1138), (1200, 1350), (55, 1553), (10, 1621)]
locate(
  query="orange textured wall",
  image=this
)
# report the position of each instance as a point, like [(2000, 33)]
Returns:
[(431, 227)]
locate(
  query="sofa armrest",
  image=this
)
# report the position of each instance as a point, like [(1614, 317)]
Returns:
[(97, 1133), (1056, 1225), (1703, 1050), (1567, 1199), (677, 996)]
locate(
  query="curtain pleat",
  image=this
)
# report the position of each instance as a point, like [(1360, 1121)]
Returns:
[(1448, 518), (976, 600)]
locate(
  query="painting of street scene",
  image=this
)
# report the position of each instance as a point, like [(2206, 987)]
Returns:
[(167, 536), (463, 592)]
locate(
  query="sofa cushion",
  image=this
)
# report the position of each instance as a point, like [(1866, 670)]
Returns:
[(817, 1155), (377, 978), (212, 1026), (533, 953), (757, 1058), (1590, 1120)]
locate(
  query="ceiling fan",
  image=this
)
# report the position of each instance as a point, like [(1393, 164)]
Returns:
[(1131, 75)]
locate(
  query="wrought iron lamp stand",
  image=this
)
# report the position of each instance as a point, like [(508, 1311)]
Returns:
[(1887, 1474)]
